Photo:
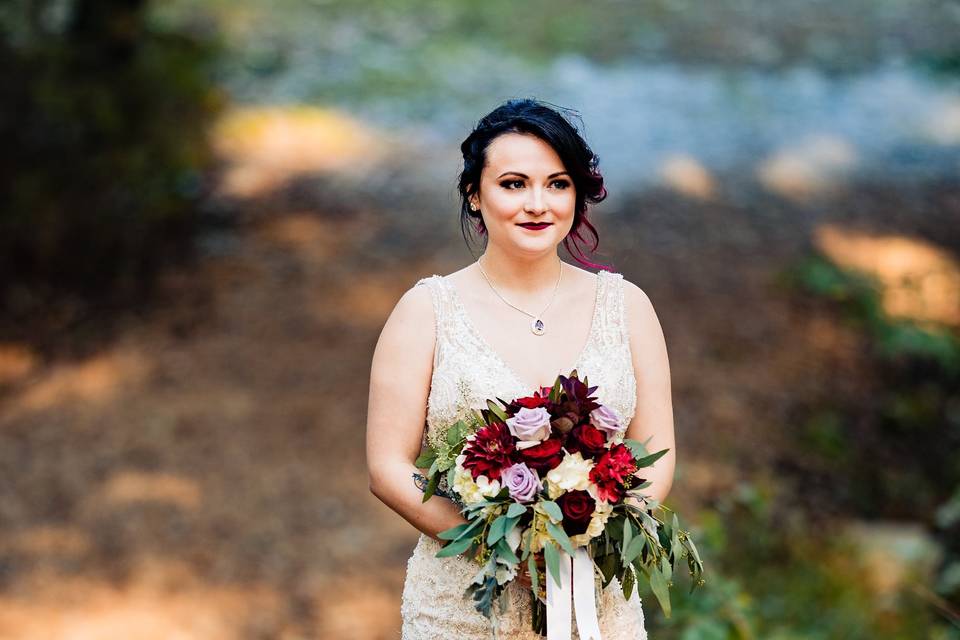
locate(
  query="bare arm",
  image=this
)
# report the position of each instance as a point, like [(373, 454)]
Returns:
[(396, 413), (654, 415)]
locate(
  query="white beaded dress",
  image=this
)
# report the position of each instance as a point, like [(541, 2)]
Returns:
[(466, 371)]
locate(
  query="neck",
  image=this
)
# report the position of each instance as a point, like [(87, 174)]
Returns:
[(522, 277)]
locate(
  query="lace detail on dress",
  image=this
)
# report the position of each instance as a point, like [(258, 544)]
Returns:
[(467, 371)]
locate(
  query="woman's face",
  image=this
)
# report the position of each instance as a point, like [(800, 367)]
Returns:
[(524, 181)]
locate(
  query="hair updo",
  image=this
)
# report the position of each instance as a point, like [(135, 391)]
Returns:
[(531, 116)]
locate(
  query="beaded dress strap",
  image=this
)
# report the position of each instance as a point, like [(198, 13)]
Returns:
[(441, 315)]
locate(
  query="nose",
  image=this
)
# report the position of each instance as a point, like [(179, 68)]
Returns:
[(535, 203)]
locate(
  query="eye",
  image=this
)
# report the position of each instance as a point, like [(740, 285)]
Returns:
[(562, 183), (506, 183)]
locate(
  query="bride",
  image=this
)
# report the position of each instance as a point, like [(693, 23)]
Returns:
[(502, 327)]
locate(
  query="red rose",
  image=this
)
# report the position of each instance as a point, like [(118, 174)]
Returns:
[(612, 471), (489, 452), (543, 457), (588, 440), (577, 507)]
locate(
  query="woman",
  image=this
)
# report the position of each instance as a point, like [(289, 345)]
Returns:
[(502, 327)]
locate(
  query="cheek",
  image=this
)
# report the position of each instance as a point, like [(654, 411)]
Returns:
[(565, 202), (503, 204)]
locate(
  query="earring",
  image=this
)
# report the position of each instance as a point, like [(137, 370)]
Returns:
[(473, 207)]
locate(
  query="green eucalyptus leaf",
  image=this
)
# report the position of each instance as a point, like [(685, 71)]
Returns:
[(455, 548), (516, 509), (628, 582), (497, 530), (558, 534), (636, 447), (608, 567), (476, 506), (614, 529), (634, 548), (646, 461), (552, 509), (552, 558), (454, 532), (425, 459), (505, 552), (693, 550), (660, 589), (475, 526)]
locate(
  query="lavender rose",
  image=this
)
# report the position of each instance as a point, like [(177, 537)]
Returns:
[(604, 419), (530, 424), (522, 482)]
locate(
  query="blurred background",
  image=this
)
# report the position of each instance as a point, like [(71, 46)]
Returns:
[(208, 209)]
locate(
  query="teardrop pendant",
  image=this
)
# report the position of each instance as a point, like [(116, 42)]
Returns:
[(537, 326)]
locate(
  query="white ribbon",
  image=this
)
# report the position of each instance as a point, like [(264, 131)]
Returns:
[(576, 575)]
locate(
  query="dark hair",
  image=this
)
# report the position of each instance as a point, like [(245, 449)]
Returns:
[(527, 115)]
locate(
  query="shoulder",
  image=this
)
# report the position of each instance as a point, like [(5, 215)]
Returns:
[(403, 338), (633, 294), (417, 304), (641, 317)]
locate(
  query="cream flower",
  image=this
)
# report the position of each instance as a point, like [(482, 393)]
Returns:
[(573, 473), (471, 491)]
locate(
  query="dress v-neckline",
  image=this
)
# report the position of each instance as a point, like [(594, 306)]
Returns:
[(468, 323)]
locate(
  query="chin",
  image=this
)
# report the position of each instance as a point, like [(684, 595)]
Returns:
[(538, 247)]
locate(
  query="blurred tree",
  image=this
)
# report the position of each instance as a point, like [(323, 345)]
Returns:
[(106, 158)]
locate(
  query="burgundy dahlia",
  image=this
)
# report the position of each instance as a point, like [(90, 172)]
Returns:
[(489, 453)]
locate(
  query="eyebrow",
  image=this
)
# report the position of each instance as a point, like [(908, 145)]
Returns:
[(523, 175)]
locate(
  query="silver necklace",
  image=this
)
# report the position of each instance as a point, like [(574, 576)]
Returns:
[(536, 325)]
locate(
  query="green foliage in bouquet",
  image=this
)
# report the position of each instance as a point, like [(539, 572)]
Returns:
[(635, 541)]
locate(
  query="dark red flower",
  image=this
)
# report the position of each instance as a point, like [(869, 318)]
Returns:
[(540, 398), (489, 452), (531, 402), (612, 471), (587, 439), (576, 400), (543, 457), (577, 507)]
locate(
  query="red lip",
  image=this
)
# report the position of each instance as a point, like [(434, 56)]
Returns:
[(535, 226)]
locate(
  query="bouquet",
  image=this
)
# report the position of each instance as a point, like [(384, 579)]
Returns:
[(552, 476)]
